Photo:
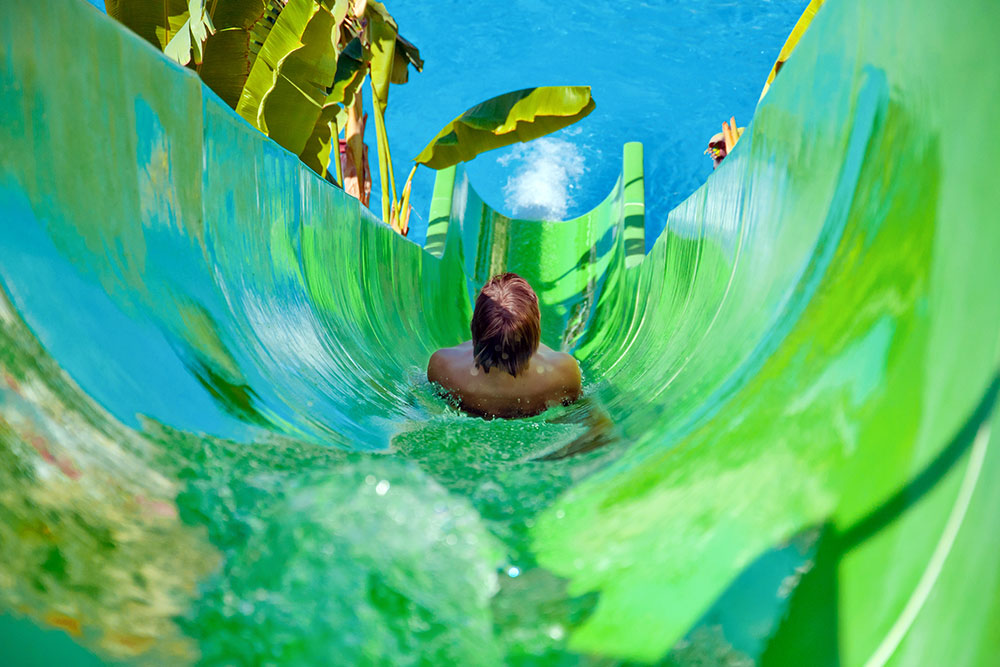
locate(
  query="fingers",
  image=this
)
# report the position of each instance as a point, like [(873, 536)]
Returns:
[(728, 135), (731, 133)]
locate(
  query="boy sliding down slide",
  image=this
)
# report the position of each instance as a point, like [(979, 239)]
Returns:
[(527, 377)]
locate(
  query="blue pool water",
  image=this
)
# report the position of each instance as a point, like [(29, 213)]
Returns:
[(663, 73)]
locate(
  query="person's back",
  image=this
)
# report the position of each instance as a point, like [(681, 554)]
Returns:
[(504, 371)]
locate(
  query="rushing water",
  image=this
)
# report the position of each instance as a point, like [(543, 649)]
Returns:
[(217, 442)]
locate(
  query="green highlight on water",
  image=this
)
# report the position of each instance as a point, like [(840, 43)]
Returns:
[(217, 444)]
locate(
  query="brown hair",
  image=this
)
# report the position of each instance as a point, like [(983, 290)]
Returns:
[(506, 324)]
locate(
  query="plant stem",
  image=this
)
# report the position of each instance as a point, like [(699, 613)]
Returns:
[(386, 179), (403, 213), (336, 152)]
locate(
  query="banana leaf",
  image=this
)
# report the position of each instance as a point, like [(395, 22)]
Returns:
[(229, 54), (225, 40), (178, 27), (276, 62), (391, 53), (316, 152), (352, 66), (382, 35), (406, 54), (156, 22), (188, 43), (284, 37), (293, 105), (521, 115)]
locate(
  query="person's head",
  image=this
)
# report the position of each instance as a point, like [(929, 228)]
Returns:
[(506, 324), (717, 149)]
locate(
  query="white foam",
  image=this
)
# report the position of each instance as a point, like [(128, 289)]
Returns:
[(546, 171)]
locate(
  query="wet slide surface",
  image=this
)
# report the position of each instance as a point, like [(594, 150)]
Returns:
[(217, 443)]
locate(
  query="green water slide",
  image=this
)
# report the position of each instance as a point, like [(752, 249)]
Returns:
[(218, 446)]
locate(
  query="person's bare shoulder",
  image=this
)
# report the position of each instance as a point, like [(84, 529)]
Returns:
[(562, 380), (436, 367), (569, 374), (441, 366)]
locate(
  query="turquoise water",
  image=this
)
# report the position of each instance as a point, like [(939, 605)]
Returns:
[(664, 73), (217, 443)]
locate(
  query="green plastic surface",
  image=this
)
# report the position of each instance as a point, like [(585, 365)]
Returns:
[(217, 442)]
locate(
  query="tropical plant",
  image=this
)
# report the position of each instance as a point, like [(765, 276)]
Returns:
[(294, 69)]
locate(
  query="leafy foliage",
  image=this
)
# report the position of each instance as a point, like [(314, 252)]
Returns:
[(278, 62), (521, 115), (294, 69)]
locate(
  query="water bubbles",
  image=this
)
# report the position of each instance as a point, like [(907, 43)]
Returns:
[(513, 572), (382, 487), (557, 632), (545, 172), (370, 480)]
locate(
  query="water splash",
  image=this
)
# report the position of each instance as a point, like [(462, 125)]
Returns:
[(546, 172)]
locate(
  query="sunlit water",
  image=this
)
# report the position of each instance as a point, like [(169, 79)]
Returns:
[(663, 73)]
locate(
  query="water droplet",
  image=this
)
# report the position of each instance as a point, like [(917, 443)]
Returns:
[(382, 487), (513, 572), (557, 632), (370, 480)]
